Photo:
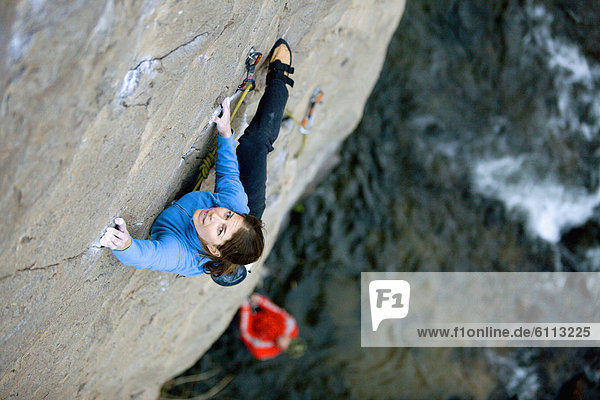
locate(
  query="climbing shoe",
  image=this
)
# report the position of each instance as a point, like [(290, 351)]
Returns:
[(280, 63)]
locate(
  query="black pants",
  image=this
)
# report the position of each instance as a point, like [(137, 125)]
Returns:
[(257, 142)]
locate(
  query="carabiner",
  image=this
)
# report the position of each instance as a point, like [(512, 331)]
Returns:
[(251, 62)]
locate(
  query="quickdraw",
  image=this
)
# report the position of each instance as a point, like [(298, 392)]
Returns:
[(307, 121), (251, 62), (247, 85)]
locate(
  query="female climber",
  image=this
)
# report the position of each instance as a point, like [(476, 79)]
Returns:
[(205, 232)]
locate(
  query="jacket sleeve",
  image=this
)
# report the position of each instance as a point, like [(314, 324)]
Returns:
[(228, 187), (157, 255)]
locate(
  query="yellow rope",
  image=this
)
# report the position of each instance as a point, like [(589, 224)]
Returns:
[(289, 114), (301, 147), (210, 159), (240, 101)]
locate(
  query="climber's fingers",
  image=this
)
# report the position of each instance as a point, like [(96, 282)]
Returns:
[(226, 109), (116, 242), (223, 123), (107, 241), (121, 225), (118, 234), (116, 239)]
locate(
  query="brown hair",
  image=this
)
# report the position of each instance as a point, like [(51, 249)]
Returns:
[(244, 247)]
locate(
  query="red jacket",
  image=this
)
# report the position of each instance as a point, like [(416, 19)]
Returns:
[(259, 330)]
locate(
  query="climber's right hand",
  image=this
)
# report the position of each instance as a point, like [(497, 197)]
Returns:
[(223, 123), (116, 239)]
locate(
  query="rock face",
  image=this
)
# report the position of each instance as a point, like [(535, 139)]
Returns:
[(104, 112)]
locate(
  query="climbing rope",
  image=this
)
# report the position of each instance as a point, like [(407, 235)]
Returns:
[(289, 114), (247, 85)]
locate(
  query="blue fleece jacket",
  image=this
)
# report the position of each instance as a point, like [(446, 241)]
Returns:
[(175, 246)]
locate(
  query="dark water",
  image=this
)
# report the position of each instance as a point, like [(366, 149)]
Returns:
[(478, 151)]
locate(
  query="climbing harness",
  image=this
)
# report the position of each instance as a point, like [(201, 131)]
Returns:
[(247, 85), (307, 121)]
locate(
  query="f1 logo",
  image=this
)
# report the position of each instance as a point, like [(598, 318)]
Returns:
[(389, 299)]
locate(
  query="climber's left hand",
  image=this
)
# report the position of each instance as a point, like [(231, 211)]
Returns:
[(117, 239)]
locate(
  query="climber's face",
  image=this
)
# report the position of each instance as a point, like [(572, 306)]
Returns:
[(215, 226)]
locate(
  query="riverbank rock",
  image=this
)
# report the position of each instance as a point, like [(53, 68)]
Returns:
[(105, 110)]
